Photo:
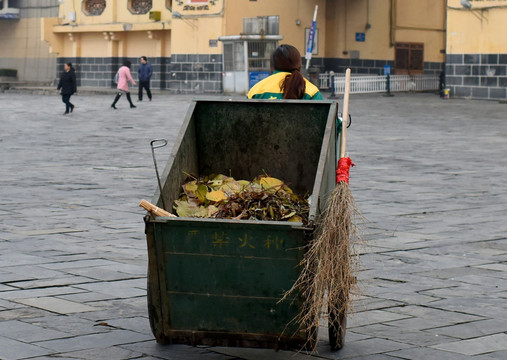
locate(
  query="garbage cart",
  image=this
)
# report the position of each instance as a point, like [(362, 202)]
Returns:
[(219, 282)]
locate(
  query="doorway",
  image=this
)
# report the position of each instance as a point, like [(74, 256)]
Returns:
[(409, 59)]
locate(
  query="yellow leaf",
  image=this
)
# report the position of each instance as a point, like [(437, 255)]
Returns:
[(201, 212), (243, 183), (190, 187), (295, 218), (287, 189), (196, 193), (212, 210), (216, 196), (215, 184), (253, 187), (231, 187), (270, 183), (201, 192), (184, 209), (218, 177), (289, 215)]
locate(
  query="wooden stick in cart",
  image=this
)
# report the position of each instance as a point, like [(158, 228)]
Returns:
[(155, 210), (345, 116)]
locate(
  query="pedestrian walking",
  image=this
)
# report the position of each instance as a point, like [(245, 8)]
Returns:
[(145, 71), (124, 78), (286, 81), (68, 86)]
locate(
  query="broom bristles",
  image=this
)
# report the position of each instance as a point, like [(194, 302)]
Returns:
[(330, 263)]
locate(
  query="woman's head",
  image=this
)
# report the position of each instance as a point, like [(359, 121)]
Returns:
[(67, 66), (127, 63), (287, 58)]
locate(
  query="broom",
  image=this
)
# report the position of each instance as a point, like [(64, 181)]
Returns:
[(326, 279)]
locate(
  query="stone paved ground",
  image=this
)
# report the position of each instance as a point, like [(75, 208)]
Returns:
[(430, 178)]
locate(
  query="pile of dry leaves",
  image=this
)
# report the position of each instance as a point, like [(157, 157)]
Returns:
[(220, 196)]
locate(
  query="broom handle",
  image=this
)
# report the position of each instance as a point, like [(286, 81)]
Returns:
[(345, 116), (155, 210)]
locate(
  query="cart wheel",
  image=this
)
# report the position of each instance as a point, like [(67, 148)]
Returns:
[(337, 329), (150, 307)]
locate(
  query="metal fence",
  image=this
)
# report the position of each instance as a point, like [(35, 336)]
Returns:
[(378, 83)]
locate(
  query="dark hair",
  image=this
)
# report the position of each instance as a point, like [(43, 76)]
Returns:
[(69, 64), (144, 58), (287, 58), (127, 63)]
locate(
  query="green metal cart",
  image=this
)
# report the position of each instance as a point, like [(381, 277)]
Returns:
[(218, 282)]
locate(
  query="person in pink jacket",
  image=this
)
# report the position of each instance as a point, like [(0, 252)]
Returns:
[(123, 84)]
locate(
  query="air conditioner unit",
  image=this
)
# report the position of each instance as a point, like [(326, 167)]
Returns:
[(155, 15), (261, 25)]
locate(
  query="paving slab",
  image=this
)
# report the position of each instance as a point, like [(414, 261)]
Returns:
[(71, 325), (263, 354), (137, 324), (407, 336), (362, 348), (23, 312), (22, 331), (177, 352), (119, 288), (109, 353), (476, 346), (496, 355), (423, 353), (93, 341), (14, 350), (57, 305), (374, 317), (474, 329)]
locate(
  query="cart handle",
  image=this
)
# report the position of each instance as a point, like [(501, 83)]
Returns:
[(153, 144)]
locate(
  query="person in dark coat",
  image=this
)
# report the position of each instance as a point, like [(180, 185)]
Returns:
[(144, 72), (68, 86)]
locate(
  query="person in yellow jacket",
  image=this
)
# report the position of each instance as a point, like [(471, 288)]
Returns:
[(286, 82)]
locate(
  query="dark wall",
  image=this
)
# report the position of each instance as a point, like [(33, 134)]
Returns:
[(190, 73), (181, 73), (479, 76), (99, 72)]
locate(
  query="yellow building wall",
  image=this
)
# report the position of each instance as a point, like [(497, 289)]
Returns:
[(22, 49), (384, 23), (346, 18), (116, 32), (423, 22), (193, 35), (187, 33), (480, 30), (93, 44)]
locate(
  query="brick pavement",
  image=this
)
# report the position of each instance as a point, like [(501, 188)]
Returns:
[(430, 178)]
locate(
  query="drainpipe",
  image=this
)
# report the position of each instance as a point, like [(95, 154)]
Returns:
[(393, 21)]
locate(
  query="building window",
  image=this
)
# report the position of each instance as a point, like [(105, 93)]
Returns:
[(169, 4), (139, 6), (93, 7), (409, 58)]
